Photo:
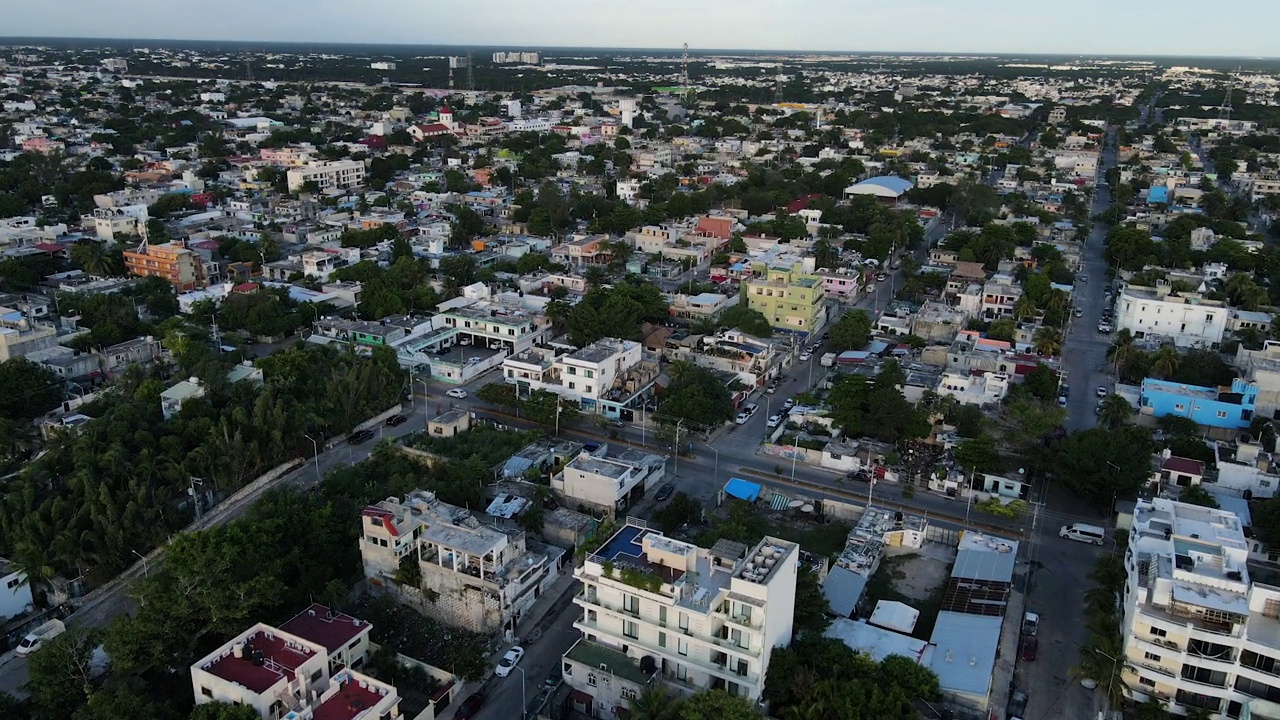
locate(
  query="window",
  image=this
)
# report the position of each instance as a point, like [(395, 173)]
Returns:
[(662, 639), (573, 386), (206, 692), (631, 604), (573, 371), (1179, 407), (630, 629), (684, 622), (628, 693), (1152, 657), (1158, 632), (682, 673), (591, 679), (315, 676), (353, 644), (589, 373), (662, 615), (682, 646), (1146, 681)]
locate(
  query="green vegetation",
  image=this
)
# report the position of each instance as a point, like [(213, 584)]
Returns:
[(1101, 465), (851, 332), (875, 407), (695, 396), (741, 317), (615, 311)]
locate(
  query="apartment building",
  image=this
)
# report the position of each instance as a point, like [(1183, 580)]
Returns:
[(1263, 186), (999, 295), (788, 297), (1261, 368), (336, 175), (473, 575), (1188, 320), (183, 268), (1198, 633), (606, 377), (116, 222), (582, 251), (607, 482), (753, 360), (20, 336), (690, 617), (284, 676), (1215, 407)]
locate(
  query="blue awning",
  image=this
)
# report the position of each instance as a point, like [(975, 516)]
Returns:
[(743, 490)]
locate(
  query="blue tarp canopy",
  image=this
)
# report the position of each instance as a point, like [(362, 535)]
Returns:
[(1158, 194), (741, 489)]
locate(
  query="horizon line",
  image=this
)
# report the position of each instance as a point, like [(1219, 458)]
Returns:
[(19, 39)]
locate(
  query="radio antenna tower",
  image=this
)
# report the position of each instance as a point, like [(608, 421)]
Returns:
[(248, 69), (777, 90), (1224, 112), (451, 63), (471, 76), (685, 89)]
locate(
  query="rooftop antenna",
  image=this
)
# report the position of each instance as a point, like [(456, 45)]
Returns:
[(685, 88)]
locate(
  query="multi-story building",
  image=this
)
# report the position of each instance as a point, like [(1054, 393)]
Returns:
[(695, 618), (1198, 632), (607, 377), (974, 389), (788, 297), (284, 676), (478, 577), (15, 591), (115, 222), (753, 360), (358, 332), (1189, 319), (21, 336), (999, 295), (1262, 369), (703, 306), (609, 482), (336, 175), (580, 251), (183, 268), (1223, 407)]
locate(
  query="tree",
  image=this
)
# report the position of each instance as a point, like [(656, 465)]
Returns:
[(719, 705), (811, 608), (1048, 341), (1115, 411), (1166, 360), (1002, 329), (851, 331), (1101, 465), (61, 674), (1122, 349), (97, 258), (655, 703), (978, 454), (1197, 495), (741, 317), (679, 511), (27, 390), (696, 396)]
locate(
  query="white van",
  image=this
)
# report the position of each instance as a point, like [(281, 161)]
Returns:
[(1083, 533)]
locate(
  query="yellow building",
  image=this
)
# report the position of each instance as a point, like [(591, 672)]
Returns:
[(789, 298)]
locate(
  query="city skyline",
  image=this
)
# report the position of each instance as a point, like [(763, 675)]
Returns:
[(1089, 27)]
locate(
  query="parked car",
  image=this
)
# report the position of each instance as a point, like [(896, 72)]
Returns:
[(804, 356), (665, 492), (881, 277), (39, 636), (1102, 391), (508, 661), (750, 409), (742, 418), (1030, 624), (1027, 649), (790, 403), (395, 420), (470, 707), (774, 421), (1104, 327), (1084, 278), (359, 436), (457, 393), (1017, 705), (1079, 312)]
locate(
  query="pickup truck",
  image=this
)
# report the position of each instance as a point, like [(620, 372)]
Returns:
[(38, 637)]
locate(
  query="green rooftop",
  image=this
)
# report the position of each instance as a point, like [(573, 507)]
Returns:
[(593, 655)]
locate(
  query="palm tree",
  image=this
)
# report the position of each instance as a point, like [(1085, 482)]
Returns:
[(1103, 662), (1166, 361), (1122, 350), (1056, 301), (1152, 709), (1115, 411), (95, 258), (655, 703), (1048, 341), (1024, 308)]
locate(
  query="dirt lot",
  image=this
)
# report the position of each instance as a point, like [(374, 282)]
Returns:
[(916, 578)]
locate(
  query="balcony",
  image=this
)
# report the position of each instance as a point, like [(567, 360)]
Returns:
[(698, 657)]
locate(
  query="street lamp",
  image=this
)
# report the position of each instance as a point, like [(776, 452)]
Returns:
[(524, 705), (1110, 676), (425, 415), (192, 492), (143, 558), (675, 471), (716, 473), (315, 453)]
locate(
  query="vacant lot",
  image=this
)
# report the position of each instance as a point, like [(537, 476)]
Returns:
[(915, 578)]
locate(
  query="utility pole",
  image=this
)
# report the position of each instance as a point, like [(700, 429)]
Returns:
[(676, 469)]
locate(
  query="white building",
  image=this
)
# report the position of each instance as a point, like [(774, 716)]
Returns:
[(1197, 632), (282, 675), (337, 175), (477, 576), (1189, 320), (609, 483), (111, 223), (984, 389), (604, 377), (696, 618), (15, 591)]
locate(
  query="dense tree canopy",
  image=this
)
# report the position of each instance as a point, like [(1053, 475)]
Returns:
[(822, 677)]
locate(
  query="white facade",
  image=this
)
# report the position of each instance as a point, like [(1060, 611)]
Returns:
[(338, 175), (15, 591), (1188, 320), (701, 619), (1197, 631), (111, 223), (609, 483), (985, 389)]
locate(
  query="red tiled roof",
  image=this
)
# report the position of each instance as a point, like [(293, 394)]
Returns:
[(245, 287), (350, 701), (284, 661), (387, 517), (48, 247), (1186, 466), (325, 627), (799, 204)]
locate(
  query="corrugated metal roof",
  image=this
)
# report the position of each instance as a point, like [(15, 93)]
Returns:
[(843, 589)]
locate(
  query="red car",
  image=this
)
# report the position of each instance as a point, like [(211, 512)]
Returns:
[(470, 706), (1028, 649)]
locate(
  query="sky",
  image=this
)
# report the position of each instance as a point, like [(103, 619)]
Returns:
[(1244, 28)]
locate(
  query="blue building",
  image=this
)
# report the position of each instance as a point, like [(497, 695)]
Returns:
[(1212, 407)]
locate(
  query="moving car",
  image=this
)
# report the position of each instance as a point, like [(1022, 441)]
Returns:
[(470, 707), (1102, 391), (1084, 278), (881, 277), (395, 420), (39, 636), (742, 418), (359, 436), (774, 421), (457, 393), (508, 661), (804, 356), (664, 492), (1079, 312), (1104, 327)]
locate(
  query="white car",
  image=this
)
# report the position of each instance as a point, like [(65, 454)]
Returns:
[(508, 661), (742, 418), (804, 356), (457, 393), (790, 403), (773, 422), (1102, 391)]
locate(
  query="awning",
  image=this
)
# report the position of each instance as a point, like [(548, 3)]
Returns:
[(741, 489), (779, 502)]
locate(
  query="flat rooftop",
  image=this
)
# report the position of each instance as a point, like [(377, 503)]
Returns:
[(267, 659), (350, 701), (472, 541), (626, 548), (326, 627), (599, 657)]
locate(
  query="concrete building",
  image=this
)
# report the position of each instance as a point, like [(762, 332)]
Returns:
[(183, 268), (1261, 368), (988, 388), (476, 576), (171, 400), (1224, 407), (21, 336), (703, 306), (788, 297), (344, 638), (999, 295), (606, 377), (15, 591), (284, 676), (117, 222), (689, 617), (609, 482), (1197, 631), (337, 175), (1188, 320)]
